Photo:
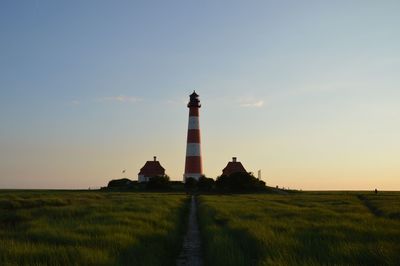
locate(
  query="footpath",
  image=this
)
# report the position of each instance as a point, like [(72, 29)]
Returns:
[(191, 252)]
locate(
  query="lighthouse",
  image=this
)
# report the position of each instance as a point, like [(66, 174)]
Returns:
[(193, 164)]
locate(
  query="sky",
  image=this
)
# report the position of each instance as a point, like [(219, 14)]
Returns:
[(306, 91)]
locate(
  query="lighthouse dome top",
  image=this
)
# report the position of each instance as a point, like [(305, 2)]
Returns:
[(194, 100), (194, 94)]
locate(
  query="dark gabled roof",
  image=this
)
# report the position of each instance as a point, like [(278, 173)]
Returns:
[(233, 167), (152, 168)]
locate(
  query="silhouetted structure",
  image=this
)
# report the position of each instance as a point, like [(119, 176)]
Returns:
[(193, 164), (235, 178), (239, 182), (123, 183), (151, 169), (233, 167)]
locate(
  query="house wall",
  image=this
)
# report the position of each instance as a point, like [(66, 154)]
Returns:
[(142, 178)]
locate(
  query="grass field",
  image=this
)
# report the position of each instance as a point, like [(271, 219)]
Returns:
[(306, 228), (91, 228), (111, 228)]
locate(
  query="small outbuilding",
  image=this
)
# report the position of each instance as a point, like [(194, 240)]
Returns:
[(233, 167), (150, 169)]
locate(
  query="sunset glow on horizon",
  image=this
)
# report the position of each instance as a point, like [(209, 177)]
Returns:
[(307, 92)]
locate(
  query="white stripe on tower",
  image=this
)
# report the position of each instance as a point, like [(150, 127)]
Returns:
[(194, 122), (193, 165), (193, 175), (193, 149)]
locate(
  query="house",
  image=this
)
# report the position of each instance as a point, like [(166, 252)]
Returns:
[(150, 169), (233, 167)]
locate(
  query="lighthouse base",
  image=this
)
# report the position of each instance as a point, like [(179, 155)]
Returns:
[(195, 176)]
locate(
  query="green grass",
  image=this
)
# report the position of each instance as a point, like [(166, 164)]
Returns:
[(309, 228), (384, 204), (98, 228), (91, 228)]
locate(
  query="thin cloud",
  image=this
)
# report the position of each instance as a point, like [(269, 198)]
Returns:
[(120, 99), (75, 102), (251, 103)]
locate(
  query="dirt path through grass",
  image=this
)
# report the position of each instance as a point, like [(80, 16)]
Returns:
[(375, 211), (191, 252)]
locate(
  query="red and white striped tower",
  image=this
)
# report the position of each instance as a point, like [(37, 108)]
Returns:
[(193, 165)]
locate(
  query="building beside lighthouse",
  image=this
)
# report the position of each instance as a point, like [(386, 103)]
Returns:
[(193, 163), (233, 167), (150, 169)]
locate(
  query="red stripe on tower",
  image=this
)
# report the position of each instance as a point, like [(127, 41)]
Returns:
[(193, 165)]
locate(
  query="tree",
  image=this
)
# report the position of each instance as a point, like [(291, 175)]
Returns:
[(158, 182), (124, 183), (205, 184), (239, 182), (190, 183)]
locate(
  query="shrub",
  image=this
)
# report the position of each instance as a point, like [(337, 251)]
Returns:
[(239, 182), (190, 183), (205, 184), (121, 183), (158, 182)]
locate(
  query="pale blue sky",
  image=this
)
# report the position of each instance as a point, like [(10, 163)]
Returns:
[(307, 91)]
